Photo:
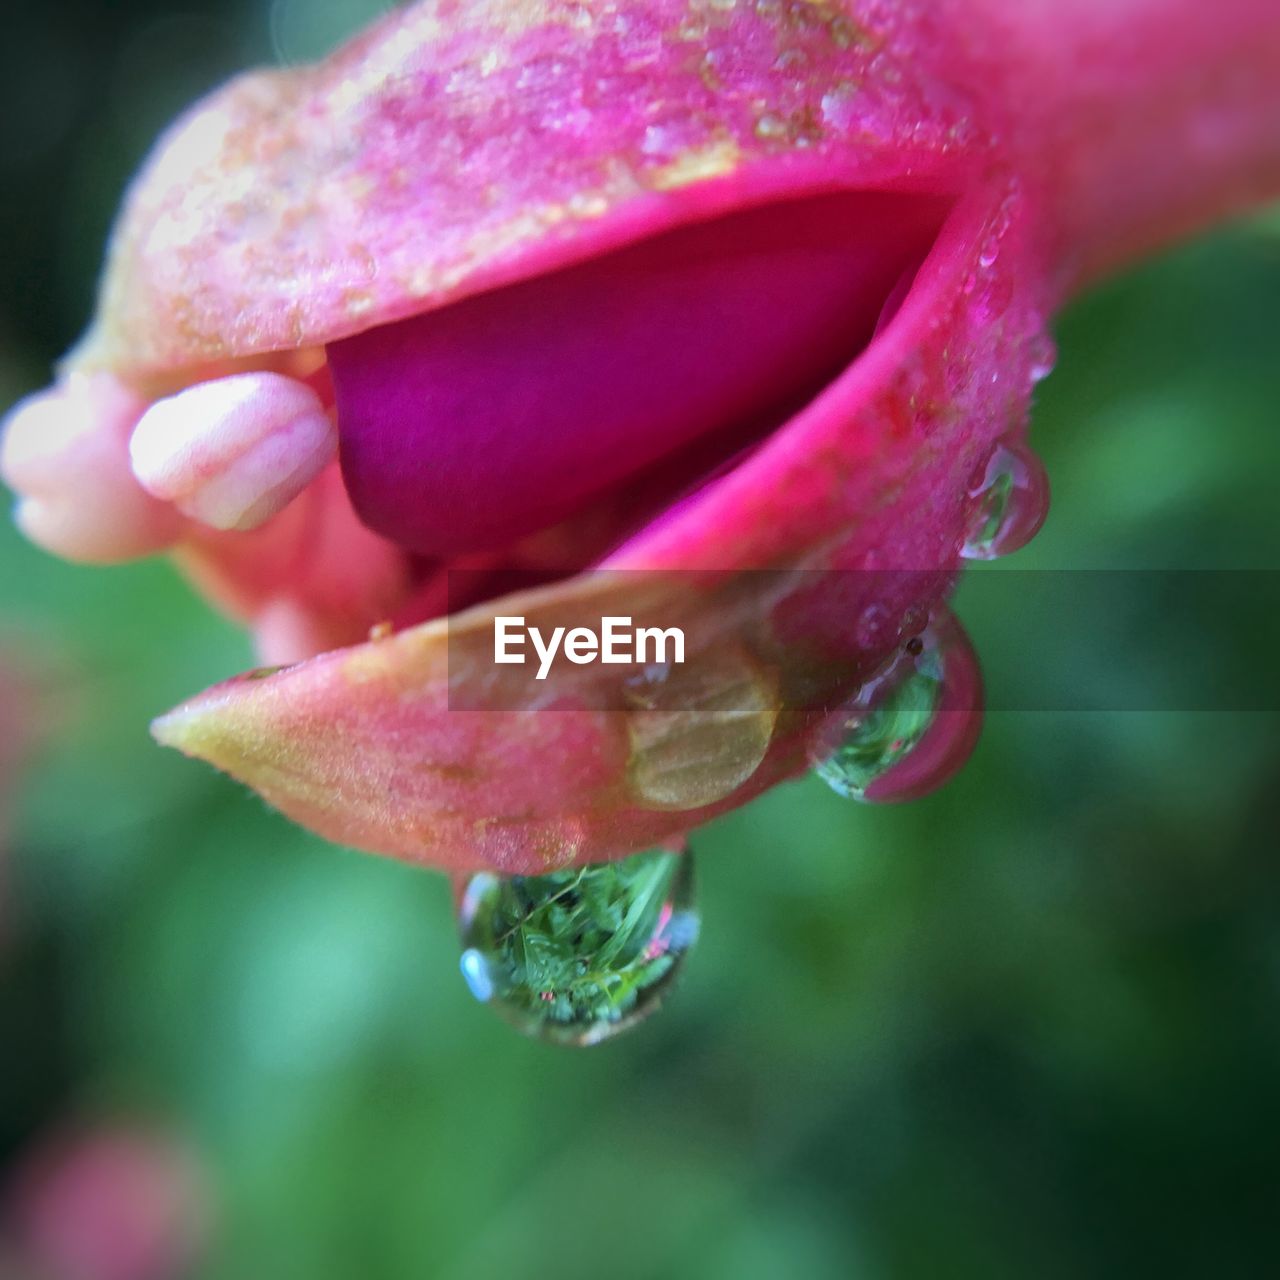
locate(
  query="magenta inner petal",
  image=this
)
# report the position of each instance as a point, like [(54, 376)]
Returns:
[(465, 428)]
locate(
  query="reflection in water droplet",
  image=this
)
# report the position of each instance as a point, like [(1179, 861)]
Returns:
[(1009, 499), (884, 721), (951, 737), (909, 729), (698, 731), (578, 955)]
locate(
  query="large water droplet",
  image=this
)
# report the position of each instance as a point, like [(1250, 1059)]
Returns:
[(578, 955), (1008, 501), (907, 730), (879, 726), (699, 731)]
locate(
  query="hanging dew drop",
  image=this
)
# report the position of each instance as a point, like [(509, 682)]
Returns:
[(697, 732), (576, 956), (1008, 502), (957, 721), (908, 730), (1044, 356), (882, 724)]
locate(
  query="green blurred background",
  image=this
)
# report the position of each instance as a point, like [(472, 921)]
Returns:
[(1029, 1026)]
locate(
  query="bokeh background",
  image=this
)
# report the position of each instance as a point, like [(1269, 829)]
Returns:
[(1029, 1026)]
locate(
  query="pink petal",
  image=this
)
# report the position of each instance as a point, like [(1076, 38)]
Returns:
[(545, 394)]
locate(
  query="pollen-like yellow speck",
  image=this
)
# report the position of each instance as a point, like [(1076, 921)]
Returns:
[(712, 161)]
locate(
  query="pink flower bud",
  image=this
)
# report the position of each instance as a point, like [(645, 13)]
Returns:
[(690, 290)]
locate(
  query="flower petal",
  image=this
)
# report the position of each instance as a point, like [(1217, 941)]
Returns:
[(431, 159)]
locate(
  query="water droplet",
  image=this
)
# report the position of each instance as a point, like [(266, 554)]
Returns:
[(840, 106), (915, 618), (698, 731), (1009, 499), (1044, 356), (909, 729), (990, 252), (879, 726), (578, 955), (951, 737)]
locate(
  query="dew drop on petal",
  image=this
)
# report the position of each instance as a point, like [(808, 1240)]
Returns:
[(576, 956), (953, 733), (907, 730), (1008, 501), (697, 732), (1044, 356), (878, 727), (914, 619)]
